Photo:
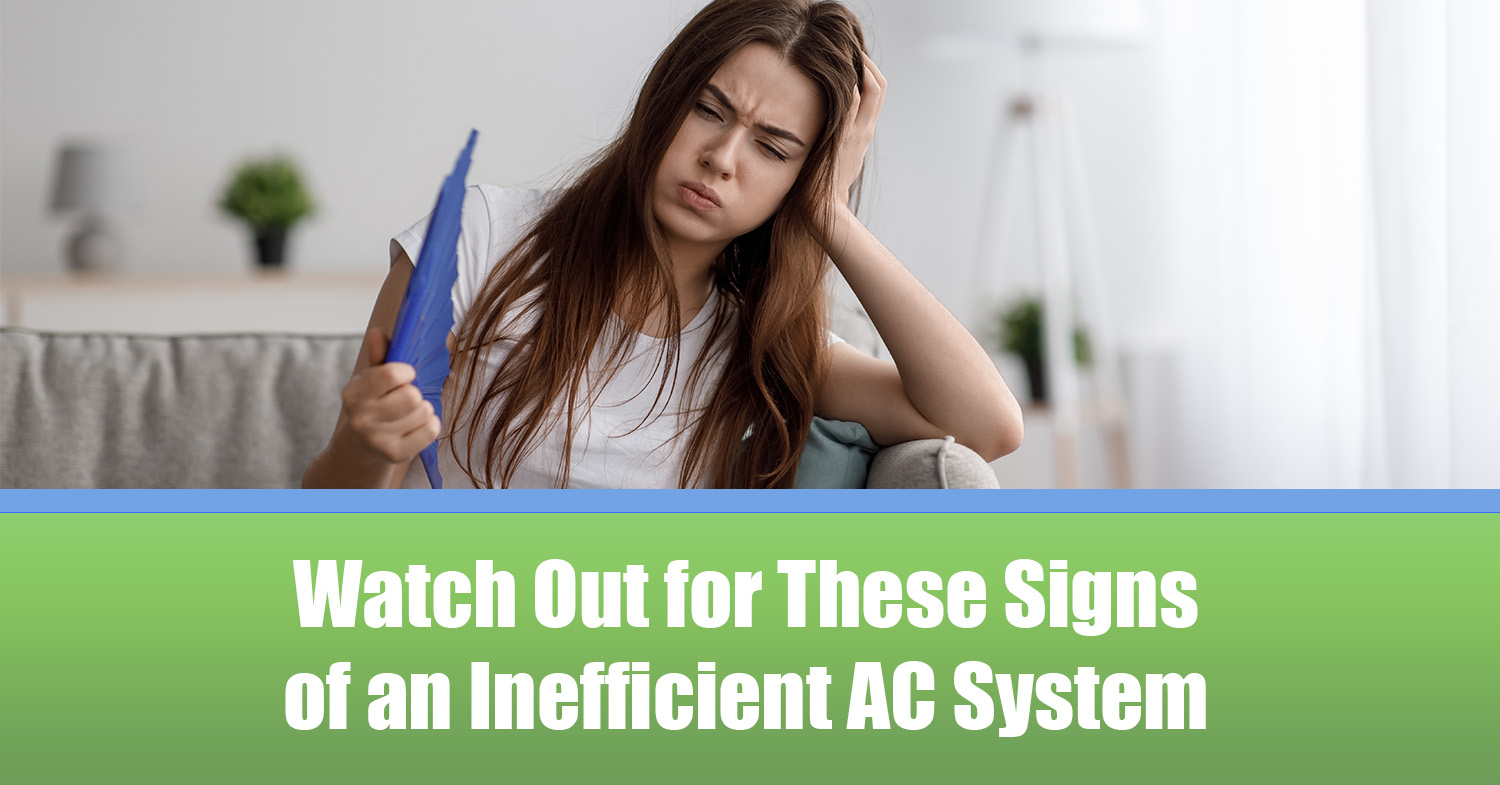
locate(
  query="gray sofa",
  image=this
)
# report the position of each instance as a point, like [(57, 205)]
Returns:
[(234, 411)]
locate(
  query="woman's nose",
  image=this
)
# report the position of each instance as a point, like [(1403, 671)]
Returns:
[(719, 157)]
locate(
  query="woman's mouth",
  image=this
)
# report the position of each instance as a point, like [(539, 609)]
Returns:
[(695, 200)]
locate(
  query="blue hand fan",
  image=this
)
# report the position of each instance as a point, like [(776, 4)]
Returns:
[(421, 335)]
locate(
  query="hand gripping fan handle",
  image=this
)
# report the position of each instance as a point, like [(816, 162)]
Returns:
[(426, 316)]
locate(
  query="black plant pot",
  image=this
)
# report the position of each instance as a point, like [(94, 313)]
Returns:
[(1036, 378), (270, 247)]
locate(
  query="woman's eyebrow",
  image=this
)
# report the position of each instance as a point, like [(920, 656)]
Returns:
[(770, 129)]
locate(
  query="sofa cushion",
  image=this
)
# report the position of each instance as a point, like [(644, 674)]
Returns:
[(118, 411)]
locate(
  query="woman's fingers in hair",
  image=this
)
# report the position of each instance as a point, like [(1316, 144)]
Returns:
[(872, 73), (865, 110), (872, 98), (859, 129)]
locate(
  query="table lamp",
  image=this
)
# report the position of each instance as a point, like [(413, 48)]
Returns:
[(90, 182)]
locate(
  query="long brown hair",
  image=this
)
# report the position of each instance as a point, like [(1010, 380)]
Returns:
[(598, 250)]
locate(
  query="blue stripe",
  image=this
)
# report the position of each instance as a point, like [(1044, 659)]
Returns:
[(1032, 501)]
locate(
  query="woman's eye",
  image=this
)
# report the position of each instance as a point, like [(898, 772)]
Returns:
[(708, 112)]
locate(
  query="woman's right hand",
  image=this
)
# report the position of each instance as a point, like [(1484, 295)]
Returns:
[(384, 412), (384, 422)]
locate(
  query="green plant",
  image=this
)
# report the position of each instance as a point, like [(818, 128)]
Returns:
[(1021, 328), (1021, 333), (268, 194)]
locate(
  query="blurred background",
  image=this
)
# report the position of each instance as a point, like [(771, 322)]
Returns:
[(1244, 243)]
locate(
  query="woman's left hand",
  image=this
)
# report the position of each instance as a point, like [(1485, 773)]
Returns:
[(858, 132), (942, 382)]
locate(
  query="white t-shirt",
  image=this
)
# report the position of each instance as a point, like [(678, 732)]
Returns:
[(627, 438)]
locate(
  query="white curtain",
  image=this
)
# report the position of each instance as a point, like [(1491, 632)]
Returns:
[(1330, 167), (1435, 125)]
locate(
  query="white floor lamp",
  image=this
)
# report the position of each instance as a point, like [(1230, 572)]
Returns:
[(1035, 146)]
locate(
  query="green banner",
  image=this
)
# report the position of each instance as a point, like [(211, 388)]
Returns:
[(1162, 648)]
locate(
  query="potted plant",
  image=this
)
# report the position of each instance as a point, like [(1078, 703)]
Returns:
[(1021, 335), (268, 194)]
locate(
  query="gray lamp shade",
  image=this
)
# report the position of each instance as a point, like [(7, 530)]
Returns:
[(89, 179)]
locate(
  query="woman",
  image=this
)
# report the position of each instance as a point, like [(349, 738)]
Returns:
[(662, 321)]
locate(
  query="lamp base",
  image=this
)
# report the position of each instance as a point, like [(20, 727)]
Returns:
[(94, 248)]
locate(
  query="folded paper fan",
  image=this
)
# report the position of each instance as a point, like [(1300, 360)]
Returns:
[(421, 335)]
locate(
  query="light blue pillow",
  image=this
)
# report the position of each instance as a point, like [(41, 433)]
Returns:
[(837, 455)]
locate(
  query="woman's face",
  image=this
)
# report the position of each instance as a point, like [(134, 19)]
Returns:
[(743, 143)]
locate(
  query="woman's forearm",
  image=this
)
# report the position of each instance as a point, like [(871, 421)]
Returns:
[(343, 465), (948, 377)]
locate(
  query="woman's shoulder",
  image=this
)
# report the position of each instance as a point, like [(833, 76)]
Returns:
[(493, 218), (508, 207), (509, 214)]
